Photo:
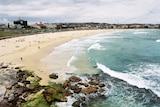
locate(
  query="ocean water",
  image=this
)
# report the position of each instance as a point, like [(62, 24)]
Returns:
[(128, 60)]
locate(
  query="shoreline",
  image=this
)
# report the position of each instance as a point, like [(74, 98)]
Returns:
[(28, 50)]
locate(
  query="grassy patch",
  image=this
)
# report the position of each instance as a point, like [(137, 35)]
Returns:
[(8, 34)]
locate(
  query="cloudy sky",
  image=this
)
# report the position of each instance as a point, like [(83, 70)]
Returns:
[(108, 11)]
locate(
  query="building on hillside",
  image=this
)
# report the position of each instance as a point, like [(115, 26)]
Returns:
[(65, 26), (40, 25), (3, 26), (20, 24), (50, 25)]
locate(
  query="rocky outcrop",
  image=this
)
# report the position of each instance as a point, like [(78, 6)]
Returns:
[(2, 92), (89, 90), (54, 92), (74, 79), (67, 93), (13, 86), (66, 84), (52, 95), (79, 104), (83, 84), (82, 89), (16, 84)]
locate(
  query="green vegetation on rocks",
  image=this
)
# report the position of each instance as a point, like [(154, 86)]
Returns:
[(56, 86), (39, 101), (54, 92)]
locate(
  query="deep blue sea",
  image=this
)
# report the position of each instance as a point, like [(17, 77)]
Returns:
[(127, 60)]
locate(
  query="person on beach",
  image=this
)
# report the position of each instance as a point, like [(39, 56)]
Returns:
[(21, 58)]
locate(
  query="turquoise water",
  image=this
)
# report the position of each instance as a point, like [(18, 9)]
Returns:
[(129, 61), (132, 57)]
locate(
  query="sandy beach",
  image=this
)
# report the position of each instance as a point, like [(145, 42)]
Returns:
[(28, 51)]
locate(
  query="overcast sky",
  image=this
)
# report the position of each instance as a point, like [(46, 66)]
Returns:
[(108, 11)]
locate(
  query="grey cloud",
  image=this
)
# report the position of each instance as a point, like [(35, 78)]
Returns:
[(83, 10), (8, 2)]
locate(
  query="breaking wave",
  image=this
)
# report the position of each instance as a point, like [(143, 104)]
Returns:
[(141, 79)]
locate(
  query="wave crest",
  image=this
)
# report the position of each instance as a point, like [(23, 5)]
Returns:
[(158, 40), (135, 79), (96, 46), (136, 33)]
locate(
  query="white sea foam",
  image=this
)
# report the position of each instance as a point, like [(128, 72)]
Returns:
[(158, 40), (151, 75), (138, 77), (73, 58), (131, 79), (139, 32), (96, 46), (69, 103)]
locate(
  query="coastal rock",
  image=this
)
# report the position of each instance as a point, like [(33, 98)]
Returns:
[(24, 83), (66, 84), (83, 98), (21, 75), (34, 82), (93, 82), (8, 77), (9, 87), (94, 77), (101, 90), (11, 97), (52, 94), (27, 82), (109, 86), (84, 89), (67, 93), (4, 103), (76, 104), (79, 103), (21, 84), (75, 88), (13, 86), (51, 91), (49, 94), (74, 79), (2, 92), (101, 85), (89, 90), (84, 84), (53, 76), (4, 66)]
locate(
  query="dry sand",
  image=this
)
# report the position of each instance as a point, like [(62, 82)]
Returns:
[(29, 50)]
